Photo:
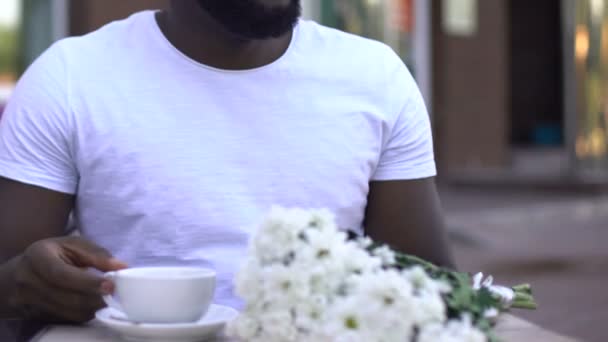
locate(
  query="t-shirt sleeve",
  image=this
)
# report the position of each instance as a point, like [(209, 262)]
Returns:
[(36, 128), (407, 153)]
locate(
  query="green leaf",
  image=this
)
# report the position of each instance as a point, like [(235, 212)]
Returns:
[(463, 299)]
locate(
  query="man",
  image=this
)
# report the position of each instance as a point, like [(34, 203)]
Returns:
[(170, 134)]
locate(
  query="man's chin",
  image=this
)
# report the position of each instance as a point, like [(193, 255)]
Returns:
[(254, 19), (277, 4)]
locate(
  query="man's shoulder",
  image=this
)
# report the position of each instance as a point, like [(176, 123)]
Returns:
[(349, 57), (332, 41), (102, 41), (369, 66)]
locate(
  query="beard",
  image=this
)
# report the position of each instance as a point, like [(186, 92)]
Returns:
[(250, 19)]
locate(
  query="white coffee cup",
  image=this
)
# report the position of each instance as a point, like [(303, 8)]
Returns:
[(162, 294)]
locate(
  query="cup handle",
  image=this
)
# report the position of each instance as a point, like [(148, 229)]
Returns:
[(109, 299)]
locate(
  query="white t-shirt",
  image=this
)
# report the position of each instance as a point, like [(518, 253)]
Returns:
[(175, 162)]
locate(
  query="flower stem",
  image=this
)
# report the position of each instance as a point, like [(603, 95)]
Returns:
[(523, 299), (525, 305), (523, 288)]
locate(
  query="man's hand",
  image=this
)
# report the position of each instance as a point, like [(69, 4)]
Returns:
[(51, 280)]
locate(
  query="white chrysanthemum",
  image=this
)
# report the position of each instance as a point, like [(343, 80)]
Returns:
[(303, 281), (491, 314), (453, 331), (311, 312), (248, 281), (429, 308), (278, 326), (346, 317), (283, 285), (385, 254), (365, 242), (359, 260), (279, 234), (388, 288), (355, 317), (322, 219), (324, 265), (423, 282), (275, 243), (321, 246), (504, 294), (379, 307), (245, 326)]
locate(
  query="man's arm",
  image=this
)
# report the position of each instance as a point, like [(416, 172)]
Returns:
[(41, 272), (407, 215), (29, 214)]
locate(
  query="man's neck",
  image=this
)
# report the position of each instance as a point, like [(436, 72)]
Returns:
[(200, 37)]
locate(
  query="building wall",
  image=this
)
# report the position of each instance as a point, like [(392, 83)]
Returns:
[(471, 91)]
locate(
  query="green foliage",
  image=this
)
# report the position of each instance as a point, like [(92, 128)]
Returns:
[(463, 299), (8, 50)]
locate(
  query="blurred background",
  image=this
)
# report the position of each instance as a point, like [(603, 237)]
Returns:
[(517, 91)]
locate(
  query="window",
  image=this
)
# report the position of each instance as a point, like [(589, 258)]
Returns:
[(9, 46), (591, 60)]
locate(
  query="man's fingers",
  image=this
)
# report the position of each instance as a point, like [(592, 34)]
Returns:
[(63, 263), (47, 299), (84, 253), (75, 306), (63, 275), (65, 298)]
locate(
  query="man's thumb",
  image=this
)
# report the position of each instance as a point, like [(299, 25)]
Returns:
[(91, 255)]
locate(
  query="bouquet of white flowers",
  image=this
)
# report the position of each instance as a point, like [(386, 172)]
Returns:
[(305, 280)]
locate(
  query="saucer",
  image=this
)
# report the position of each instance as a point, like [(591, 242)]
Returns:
[(209, 326)]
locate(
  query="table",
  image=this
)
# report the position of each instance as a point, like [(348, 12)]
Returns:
[(509, 328)]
